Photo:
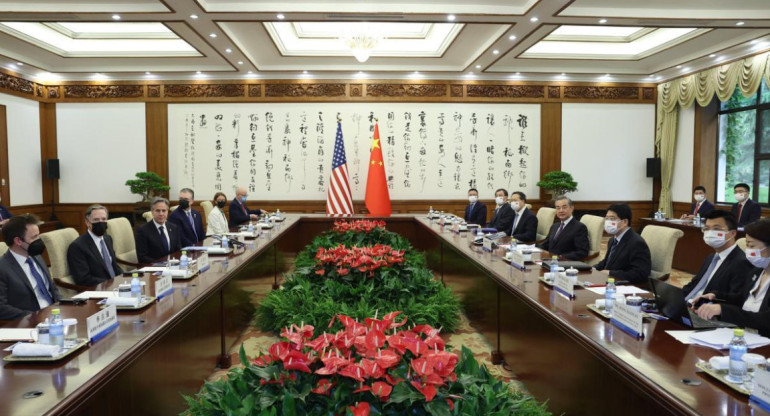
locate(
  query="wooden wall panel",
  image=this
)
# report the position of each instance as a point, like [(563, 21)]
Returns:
[(705, 153), (4, 187), (157, 139), (48, 150), (550, 140)]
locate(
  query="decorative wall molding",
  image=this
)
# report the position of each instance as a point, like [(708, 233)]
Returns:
[(326, 91)]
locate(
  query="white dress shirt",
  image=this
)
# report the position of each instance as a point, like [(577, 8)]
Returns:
[(165, 231), (24, 266), (756, 297)]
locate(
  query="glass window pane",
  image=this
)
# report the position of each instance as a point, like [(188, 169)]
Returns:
[(736, 152), (764, 131), (738, 100), (763, 186), (765, 93)]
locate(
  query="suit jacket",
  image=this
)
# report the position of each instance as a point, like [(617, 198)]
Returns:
[(478, 216), (630, 259), (704, 209), (149, 247), (572, 242), (757, 320), (188, 236), (526, 229), (240, 213), (5, 213), (17, 298), (86, 262), (729, 280), (751, 212), (216, 222), (502, 218)]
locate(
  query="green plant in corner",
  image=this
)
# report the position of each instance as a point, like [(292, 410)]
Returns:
[(557, 183), (148, 185)]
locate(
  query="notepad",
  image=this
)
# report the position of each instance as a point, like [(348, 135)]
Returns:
[(720, 339), (623, 290), (15, 334), (94, 294)]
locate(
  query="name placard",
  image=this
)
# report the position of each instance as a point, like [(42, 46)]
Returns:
[(455, 227), (564, 285), (163, 286), (101, 323), (487, 244), (518, 258), (202, 262), (627, 318), (761, 393)]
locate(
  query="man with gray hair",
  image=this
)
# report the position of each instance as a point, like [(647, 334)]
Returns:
[(188, 220), (91, 257), (157, 238), (568, 237)]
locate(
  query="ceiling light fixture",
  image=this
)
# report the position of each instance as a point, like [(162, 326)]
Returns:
[(739, 23), (602, 21), (280, 16), (533, 19), (193, 16), (451, 17), (240, 62), (304, 72), (495, 52), (228, 50), (361, 44), (712, 55), (20, 63), (685, 69), (250, 72), (478, 66), (198, 73), (115, 17), (212, 35), (678, 66), (518, 73), (512, 37), (148, 73)]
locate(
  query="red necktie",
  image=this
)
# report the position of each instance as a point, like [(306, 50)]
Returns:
[(243, 207), (697, 207)]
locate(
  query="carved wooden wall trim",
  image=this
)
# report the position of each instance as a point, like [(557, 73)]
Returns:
[(602, 93), (406, 90), (16, 84), (305, 90), (103, 91)]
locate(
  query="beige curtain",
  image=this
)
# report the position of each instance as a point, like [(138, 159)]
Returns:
[(701, 87)]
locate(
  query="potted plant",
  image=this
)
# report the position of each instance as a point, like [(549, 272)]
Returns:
[(557, 183), (148, 185)]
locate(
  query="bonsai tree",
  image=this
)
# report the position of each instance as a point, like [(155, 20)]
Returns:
[(148, 185), (557, 183)]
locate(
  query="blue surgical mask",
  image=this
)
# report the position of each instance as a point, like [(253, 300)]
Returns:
[(243, 199)]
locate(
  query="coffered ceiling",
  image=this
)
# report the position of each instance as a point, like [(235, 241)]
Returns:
[(538, 40)]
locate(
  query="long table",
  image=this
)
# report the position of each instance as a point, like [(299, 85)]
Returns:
[(559, 350)]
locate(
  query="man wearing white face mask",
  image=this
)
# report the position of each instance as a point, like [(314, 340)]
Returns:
[(745, 210), (627, 257), (753, 308), (723, 273), (701, 206), (524, 227), (475, 212), (502, 219)]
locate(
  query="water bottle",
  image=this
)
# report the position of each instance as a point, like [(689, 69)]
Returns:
[(250, 228), (697, 220), (56, 328), (278, 214), (184, 261), (554, 266), (430, 212), (226, 242), (738, 347), (512, 248), (609, 295), (136, 287)]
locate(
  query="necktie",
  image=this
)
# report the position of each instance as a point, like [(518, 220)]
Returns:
[(561, 227), (41, 288), (740, 211), (705, 278), (107, 259), (192, 223), (243, 208), (697, 207), (163, 239), (610, 251), (515, 221)]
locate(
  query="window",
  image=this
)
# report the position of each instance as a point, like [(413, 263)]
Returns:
[(744, 145)]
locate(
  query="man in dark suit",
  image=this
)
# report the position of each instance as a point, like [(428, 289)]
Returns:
[(90, 257), (524, 225), (745, 210), (701, 205), (724, 273), (25, 285), (157, 238), (188, 220), (239, 213), (568, 237), (475, 212), (5, 215), (502, 218), (627, 257)]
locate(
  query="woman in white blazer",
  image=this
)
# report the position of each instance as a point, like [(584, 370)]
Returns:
[(217, 221)]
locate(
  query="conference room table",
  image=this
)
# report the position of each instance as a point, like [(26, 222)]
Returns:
[(690, 249), (559, 350)]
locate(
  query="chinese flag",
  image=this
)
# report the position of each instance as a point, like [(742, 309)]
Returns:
[(377, 196)]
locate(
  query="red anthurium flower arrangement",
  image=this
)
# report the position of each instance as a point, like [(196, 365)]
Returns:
[(374, 356), (359, 226), (363, 260)]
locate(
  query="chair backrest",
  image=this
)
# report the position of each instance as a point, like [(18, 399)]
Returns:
[(662, 242), (3, 248), (207, 208), (173, 208), (545, 217), (122, 239), (56, 244), (741, 242), (147, 216), (528, 206), (595, 225)]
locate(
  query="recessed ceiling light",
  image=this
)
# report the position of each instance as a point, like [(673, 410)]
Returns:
[(607, 75), (148, 73), (304, 72), (712, 55), (602, 21), (563, 74), (198, 72), (685, 69), (658, 77), (228, 50), (533, 19), (213, 35), (20, 63), (512, 37), (115, 17), (739, 23), (495, 52), (753, 41), (280, 16), (451, 17), (518, 73), (417, 72), (470, 74), (478, 66), (678, 66), (240, 62), (193, 16), (251, 72)]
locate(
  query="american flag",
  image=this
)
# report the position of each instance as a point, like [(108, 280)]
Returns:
[(339, 199)]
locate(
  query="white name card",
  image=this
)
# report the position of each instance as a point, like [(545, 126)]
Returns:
[(162, 285), (455, 227), (627, 318), (102, 322), (518, 257), (487, 244), (202, 262), (761, 391), (564, 284)]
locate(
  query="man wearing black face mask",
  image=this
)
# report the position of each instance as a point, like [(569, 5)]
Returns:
[(187, 219), (91, 257), (25, 285)]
